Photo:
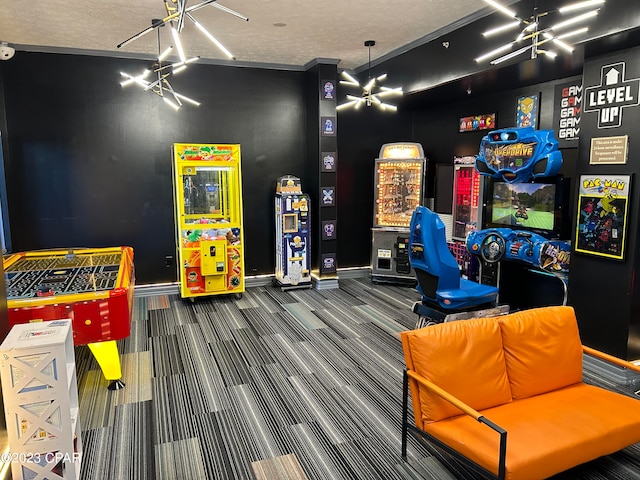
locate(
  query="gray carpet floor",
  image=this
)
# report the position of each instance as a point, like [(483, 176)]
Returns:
[(295, 385)]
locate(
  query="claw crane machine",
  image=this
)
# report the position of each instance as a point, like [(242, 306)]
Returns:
[(293, 247), (209, 235), (398, 190)]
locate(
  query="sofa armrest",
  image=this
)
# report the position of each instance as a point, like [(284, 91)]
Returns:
[(444, 394), (611, 359), (467, 410)]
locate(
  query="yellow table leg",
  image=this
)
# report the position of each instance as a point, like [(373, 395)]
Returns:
[(106, 353)]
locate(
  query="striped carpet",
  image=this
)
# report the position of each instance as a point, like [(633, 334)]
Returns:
[(295, 385)]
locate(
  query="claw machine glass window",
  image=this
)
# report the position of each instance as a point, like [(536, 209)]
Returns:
[(209, 235)]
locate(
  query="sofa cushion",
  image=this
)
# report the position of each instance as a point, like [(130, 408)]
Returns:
[(465, 358), (549, 433), (542, 350)]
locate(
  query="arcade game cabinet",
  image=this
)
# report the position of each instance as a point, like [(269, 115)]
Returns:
[(398, 190), (91, 286), (521, 247), (293, 247), (208, 218), (446, 295), (467, 197)]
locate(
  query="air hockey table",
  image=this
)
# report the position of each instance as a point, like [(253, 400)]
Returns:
[(92, 287)]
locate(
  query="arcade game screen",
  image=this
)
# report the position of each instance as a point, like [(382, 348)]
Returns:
[(530, 205)]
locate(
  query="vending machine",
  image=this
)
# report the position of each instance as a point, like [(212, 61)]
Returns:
[(293, 248), (398, 190), (208, 219)]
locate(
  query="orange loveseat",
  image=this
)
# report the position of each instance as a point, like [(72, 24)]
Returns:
[(505, 395)]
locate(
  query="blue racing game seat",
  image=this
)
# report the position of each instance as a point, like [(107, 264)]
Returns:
[(437, 272)]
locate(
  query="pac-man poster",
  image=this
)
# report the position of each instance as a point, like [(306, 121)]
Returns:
[(602, 207)]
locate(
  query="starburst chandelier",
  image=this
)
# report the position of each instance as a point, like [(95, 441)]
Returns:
[(536, 33), (160, 72), (372, 92), (156, 78)]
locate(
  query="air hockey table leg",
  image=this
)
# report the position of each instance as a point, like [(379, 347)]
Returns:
[(106, 353)]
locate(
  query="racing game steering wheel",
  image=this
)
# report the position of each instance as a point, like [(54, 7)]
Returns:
[(493, 247)]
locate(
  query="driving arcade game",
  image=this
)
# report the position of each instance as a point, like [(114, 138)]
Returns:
[(208, 219), (523, 241)]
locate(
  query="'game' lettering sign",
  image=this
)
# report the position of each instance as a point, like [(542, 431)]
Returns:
[(567, 112), (612, 95)]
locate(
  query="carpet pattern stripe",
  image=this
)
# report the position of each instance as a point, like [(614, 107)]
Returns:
[(277, 385)]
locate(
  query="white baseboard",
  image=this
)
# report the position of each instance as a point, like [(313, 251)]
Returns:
[(251, 281)]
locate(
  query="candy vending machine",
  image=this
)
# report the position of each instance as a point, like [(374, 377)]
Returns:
[(293, 248), (398, 190)]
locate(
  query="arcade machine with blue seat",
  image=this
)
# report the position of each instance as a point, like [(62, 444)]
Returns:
[(445, 294), (525, 224)]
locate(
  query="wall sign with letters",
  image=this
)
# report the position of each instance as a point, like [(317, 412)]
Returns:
[(567, 112), (614, 93)]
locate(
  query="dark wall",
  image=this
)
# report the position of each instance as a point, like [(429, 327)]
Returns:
[(604, 291), (361, 134), (88, 162)]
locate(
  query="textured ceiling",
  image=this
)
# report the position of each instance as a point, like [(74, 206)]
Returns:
[(278, 33)]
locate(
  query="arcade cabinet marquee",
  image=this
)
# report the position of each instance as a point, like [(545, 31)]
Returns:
[(208, 218)]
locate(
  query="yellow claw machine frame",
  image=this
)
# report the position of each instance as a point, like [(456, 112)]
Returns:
[(209, 234)]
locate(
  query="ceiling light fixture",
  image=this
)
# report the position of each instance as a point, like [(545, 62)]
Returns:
[(177, 11), (536, 34), (161, 86), (368, 97)]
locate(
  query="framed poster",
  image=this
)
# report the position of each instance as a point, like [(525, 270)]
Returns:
[(527, 111), (329, 230), (486, 121), (328, 263), (329, 161), (328, 125), (328, 90), (328, 197), (602, 221)]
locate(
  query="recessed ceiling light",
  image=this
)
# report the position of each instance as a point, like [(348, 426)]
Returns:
[(279, 24)]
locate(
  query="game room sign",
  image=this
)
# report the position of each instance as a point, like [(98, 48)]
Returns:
[(614, 93), (567, 112)]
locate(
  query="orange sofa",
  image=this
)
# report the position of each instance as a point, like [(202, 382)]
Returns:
[(505, 395)]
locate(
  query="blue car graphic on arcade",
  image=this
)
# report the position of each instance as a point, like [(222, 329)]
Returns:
[(519, 154)]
